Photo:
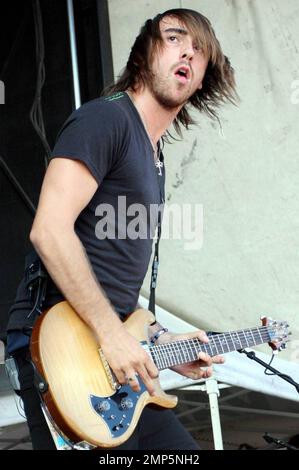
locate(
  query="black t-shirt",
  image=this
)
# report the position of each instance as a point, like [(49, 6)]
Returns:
[(108, 136)]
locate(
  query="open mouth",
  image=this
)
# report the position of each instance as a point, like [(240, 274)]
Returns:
[(182, 74)]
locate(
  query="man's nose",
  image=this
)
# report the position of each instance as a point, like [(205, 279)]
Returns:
[(187, 51)]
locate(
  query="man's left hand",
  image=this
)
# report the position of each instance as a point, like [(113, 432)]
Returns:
[(200, 369)]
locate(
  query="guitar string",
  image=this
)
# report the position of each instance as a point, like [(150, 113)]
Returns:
[(184, 348), (195, 343), (254, 332), (230, 336)]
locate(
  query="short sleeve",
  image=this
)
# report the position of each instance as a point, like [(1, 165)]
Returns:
[(94, 134)]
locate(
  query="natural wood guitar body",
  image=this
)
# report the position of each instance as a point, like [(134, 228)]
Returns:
[(66, 354)]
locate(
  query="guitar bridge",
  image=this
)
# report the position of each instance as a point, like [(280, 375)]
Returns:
[(110, 376)]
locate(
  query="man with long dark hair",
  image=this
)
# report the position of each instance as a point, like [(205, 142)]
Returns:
[(107, 149)]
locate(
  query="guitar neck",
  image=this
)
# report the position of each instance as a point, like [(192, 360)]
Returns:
[(180, 352)]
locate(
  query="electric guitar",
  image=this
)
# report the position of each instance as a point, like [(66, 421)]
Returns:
[(79, 390)]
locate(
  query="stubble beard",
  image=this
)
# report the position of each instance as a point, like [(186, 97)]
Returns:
[(161, 90)]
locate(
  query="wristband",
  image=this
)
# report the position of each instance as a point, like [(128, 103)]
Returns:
[(154, 338)]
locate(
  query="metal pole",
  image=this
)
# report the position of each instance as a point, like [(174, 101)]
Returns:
[(75, 70), (213, 392)]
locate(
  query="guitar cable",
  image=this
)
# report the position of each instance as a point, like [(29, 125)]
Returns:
[(266, 368), (287, 378)]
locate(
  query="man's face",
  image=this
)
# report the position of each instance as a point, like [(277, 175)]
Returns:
[(179, 67)]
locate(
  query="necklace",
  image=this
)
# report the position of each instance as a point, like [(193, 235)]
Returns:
[(156, 147)]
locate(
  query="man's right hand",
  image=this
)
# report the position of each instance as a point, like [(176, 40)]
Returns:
[(128, 360)]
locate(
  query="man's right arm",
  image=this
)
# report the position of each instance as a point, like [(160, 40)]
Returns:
[(67, 188)]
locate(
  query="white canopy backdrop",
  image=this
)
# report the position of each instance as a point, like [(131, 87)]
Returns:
[(245, 176)]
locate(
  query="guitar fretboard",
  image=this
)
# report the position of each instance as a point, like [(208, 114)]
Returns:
[(180, 352)]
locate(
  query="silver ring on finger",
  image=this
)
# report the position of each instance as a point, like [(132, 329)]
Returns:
[(131, 379)]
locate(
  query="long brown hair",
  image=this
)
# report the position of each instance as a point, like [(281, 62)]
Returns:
[(218, 84)]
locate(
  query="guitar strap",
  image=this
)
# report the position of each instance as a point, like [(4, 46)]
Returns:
[(155, 265), (153, 284)]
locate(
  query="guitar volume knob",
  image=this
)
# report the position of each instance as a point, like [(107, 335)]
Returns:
[(126, 403), (102, 406)]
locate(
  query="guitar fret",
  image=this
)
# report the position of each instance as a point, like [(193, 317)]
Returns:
[(261, 338), (214, 345), (172, 355), (167, 359), (257, 336), (249, 337), (220, 344), (185, 353), (252, 337), (221, 339), (228, 348), (179, 352), (236, 340), (166, 364), (230, 341), (209, 350), (166, 348), (190, 350), (245, 338), (160, 358), (196, 349), (180, 355)]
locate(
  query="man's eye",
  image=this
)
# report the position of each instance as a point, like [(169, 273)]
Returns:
[(197, 48)]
